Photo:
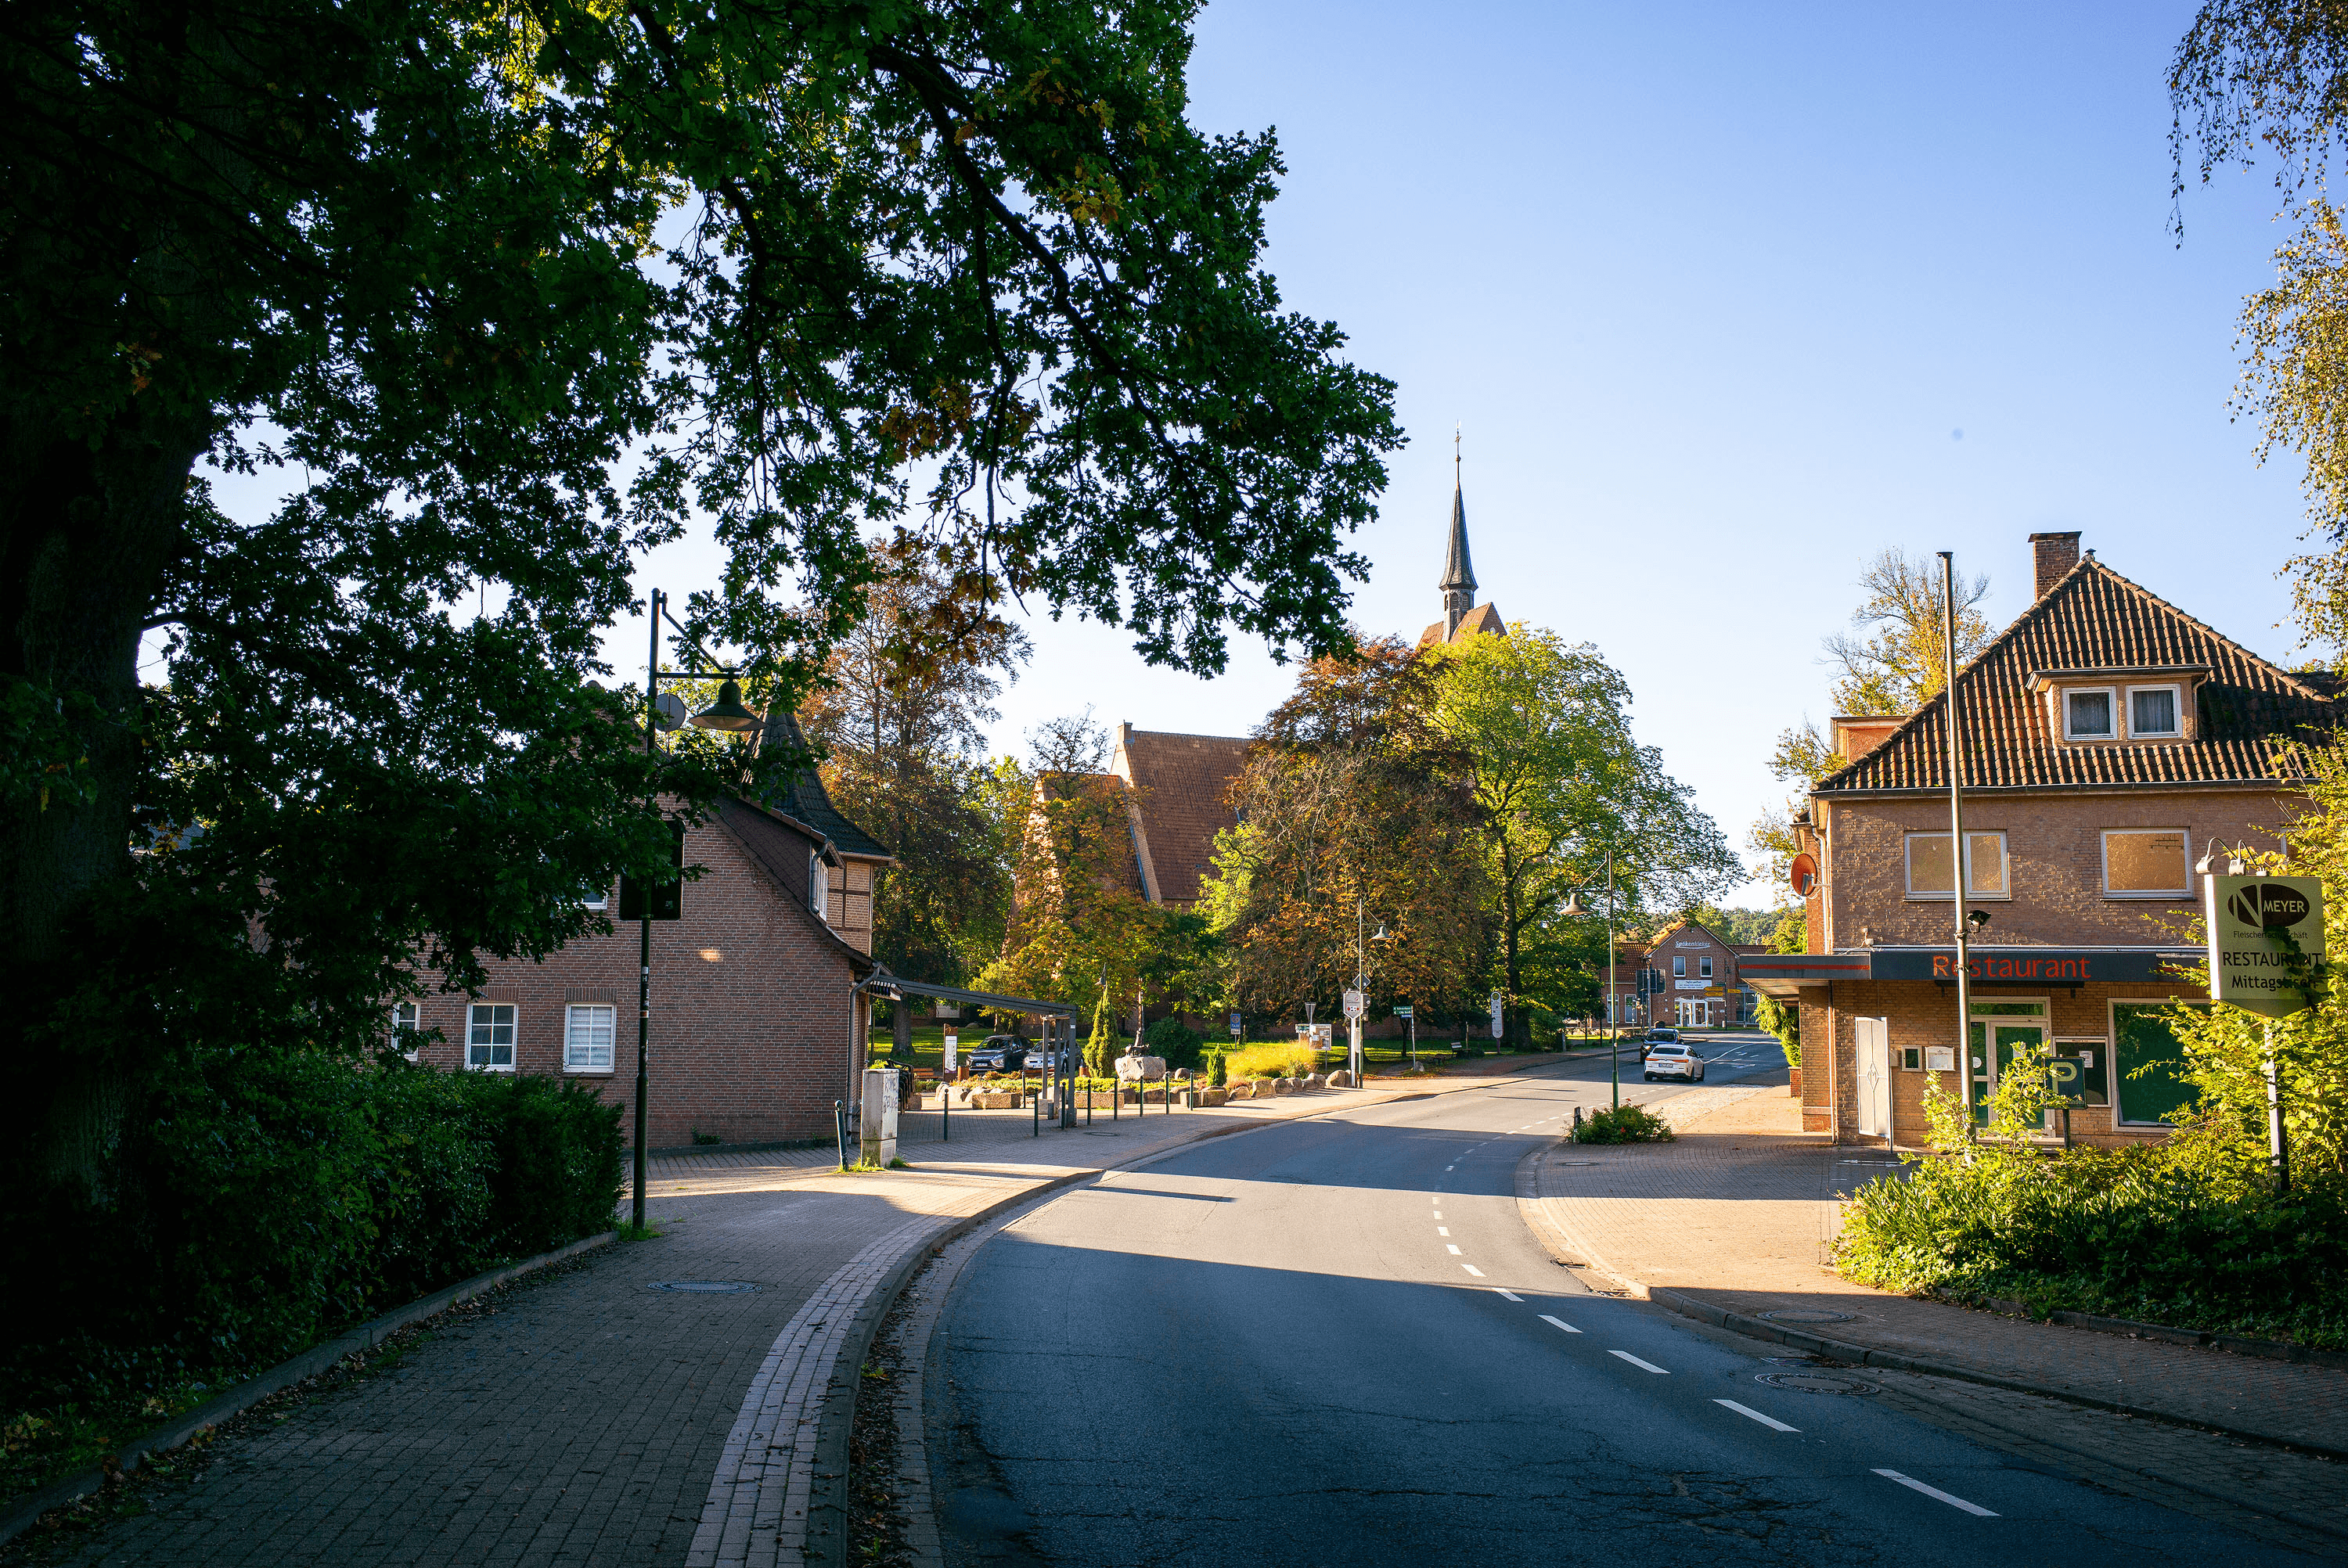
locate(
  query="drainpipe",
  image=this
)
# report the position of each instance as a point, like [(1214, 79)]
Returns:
[(1957, 839)]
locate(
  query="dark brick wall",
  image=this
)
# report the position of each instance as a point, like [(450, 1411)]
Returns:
[(751, 1033)]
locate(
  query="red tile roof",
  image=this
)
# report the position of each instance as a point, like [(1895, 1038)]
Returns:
[(2095, 618), (1179, 783)]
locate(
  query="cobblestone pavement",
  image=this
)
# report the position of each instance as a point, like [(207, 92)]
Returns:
[(1740, 1214), (592, 1419)]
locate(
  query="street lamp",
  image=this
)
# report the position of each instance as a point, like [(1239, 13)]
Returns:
[(1613, 1002), (727, 715)]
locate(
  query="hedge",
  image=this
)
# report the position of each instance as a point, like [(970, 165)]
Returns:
[(257, 1205)]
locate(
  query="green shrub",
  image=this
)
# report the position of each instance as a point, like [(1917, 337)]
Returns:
[(1218, 1069), (1624, 1125), (2187, 1233), (261, 1202), (1175, 1040), (1274, 1061)]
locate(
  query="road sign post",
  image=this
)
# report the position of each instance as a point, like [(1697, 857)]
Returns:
[(2266, 953), (1410, 1020), (1355, 1005)]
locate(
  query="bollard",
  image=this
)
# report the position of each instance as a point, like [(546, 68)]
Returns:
[(1577, 1121), (1035, 1111), (839, 1126)]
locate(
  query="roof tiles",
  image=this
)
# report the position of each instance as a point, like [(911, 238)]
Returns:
[(2095, 618)]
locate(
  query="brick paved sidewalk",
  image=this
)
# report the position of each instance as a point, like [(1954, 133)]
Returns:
[(592, 1419), (1739, 1216)]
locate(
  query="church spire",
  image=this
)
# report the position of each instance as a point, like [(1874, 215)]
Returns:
[(1459, 584)]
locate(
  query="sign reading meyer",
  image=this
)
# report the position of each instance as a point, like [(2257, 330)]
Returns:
[(2266, 941)]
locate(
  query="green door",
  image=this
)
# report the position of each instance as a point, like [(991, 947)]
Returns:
[(2012, 1039)]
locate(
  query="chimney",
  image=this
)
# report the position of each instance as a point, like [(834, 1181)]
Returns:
[(2052, 555)]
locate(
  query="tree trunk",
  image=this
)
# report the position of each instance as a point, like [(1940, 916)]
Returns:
[(84, 540)]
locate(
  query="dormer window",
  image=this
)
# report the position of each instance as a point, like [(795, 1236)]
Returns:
[(818, 888), (2119, 705), (2087, 715), (2152, 713)]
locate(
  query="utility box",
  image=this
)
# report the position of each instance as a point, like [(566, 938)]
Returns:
[(876, 1133)]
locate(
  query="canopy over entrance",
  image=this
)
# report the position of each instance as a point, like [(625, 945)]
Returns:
[(897, 989)]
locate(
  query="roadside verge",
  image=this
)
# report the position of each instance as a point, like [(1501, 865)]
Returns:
[(1733, 1223)]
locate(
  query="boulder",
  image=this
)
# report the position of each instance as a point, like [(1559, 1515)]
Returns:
[(1210, 1098), (1341, 1079), (1313, 1081), (1007, 1100), (1283, 1086)]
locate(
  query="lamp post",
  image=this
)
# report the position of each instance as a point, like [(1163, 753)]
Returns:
[(728, 714), (1361, 988), (1957, 854), (1613, 1002)]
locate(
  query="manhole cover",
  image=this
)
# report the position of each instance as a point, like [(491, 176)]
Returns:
[(1816, 1383), (1806, 1315), (702, 1287)]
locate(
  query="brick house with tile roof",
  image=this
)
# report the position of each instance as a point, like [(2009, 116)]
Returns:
[(757, 1023), (1176, 788), (2108, 740)]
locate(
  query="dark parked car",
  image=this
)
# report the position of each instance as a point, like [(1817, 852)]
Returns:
[(1000, 1053)]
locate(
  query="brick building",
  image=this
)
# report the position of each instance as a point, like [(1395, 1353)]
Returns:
[(2109, 741), (757, 1025)]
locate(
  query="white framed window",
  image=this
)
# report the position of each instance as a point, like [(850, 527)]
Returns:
[(1679, 966), (1930, 875), (2088, 714), (587, 1032), (489, 1037), (1704, 966), (596, 898), (818, 888), (404, 1025), (2147, 862), (2154, 712)]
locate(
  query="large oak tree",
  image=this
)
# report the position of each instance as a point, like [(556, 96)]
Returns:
[(498, 297)]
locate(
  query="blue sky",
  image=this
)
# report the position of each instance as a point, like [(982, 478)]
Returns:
[(1711, 289)]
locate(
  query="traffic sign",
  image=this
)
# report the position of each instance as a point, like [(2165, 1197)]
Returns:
[(2266, 941), (1356, 1004), (1402, 1012)]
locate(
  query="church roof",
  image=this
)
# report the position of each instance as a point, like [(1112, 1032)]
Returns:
[(1483, 617), (1179, 782), (802, 795), (2093, 619), (1458, 572)]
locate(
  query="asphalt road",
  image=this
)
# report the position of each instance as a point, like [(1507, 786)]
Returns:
[(1333, 1342)]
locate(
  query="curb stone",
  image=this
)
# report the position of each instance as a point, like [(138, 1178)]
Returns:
[(2202, 1339), (181, 1429), (1556, 1241)]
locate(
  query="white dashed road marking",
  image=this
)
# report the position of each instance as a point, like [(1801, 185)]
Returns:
[(1911, 1482), (1450, 1248), (1511, 1294), (1649, 1366), (1473, 1269), (1559, 1322), (1770, 1422)]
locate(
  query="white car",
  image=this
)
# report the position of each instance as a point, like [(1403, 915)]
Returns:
[(1668, 1056)]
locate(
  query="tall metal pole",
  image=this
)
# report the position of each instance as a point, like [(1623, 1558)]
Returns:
[(1957, 839), (644, 936), (1613, 999)]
